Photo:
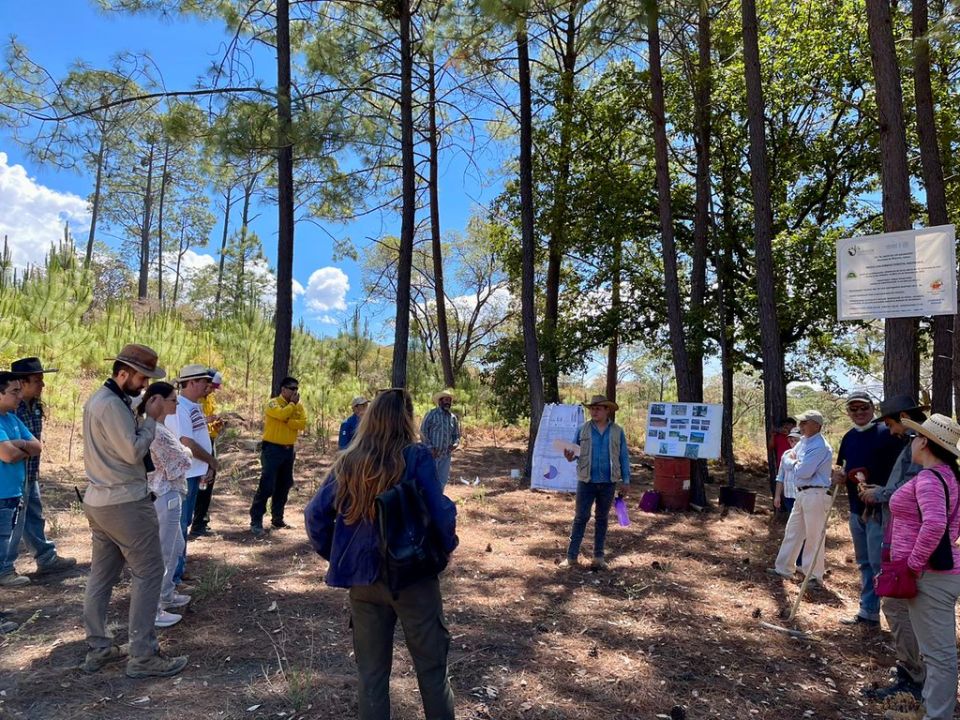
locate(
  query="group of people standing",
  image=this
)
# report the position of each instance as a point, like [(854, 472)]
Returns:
[(900, 471)]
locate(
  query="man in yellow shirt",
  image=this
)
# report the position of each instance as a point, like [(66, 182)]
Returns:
[(283, 419)]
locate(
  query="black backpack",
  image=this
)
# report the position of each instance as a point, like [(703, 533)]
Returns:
[(409, 546)]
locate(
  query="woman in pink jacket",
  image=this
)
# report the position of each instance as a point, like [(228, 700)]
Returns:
[(925, 528)]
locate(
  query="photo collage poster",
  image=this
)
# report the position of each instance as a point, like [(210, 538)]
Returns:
[(684, 430)]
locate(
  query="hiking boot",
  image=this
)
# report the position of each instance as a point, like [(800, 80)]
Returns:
[(199, 532), (916, 714), (774, 571), (176, 601), (598, 564), (166, 619), (859, 620), (7, 626), (567, 563), (155, 666), (257, 530), (57, 565), (897, 687), (96, 659), (11, 579), (279, 524), (815, 583)]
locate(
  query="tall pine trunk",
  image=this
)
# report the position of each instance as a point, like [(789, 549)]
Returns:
[(933, 183), (558, 216), (901, 365), (528, 310), (283, 319), (401, 336), (163, 193), (223, 250), (95, 205), (774, 385), (144, 278), (613, 347), (678, 343), (701, 232), (443, 335)]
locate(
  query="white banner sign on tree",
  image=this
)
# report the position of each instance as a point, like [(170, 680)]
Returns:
[(902, 274), (687, 430), (550, 470)]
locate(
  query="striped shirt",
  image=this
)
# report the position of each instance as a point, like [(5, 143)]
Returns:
[(440, 430)]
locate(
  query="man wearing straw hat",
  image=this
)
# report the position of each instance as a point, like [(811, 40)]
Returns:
[(31, 525), (123, 522), (603, 468), (348, 427), (440, 431)]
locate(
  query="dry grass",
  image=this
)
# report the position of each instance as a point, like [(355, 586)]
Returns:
[(675, 622)]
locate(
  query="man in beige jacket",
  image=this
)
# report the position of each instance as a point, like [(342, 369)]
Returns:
[(116, 458)]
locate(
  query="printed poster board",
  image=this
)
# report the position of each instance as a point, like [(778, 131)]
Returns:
[(687, 430), (550, 470), (901, 274)]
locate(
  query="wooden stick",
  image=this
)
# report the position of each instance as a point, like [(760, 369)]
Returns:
[(792, 633), (816, 555)]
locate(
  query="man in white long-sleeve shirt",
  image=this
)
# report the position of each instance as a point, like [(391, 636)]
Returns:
[(812, 461)]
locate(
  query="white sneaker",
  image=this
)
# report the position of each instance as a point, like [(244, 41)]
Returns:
[(166, 619), (176, 601)]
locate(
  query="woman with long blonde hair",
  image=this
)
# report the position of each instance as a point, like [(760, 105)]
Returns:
[(340, 522)]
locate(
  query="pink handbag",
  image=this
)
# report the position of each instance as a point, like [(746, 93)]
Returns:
[(895, 580)]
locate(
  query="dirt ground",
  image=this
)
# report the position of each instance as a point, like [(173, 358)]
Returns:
[(672, 630)]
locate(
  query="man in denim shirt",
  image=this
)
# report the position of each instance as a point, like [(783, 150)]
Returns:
[(603, 468)]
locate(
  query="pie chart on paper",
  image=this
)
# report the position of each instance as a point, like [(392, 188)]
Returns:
[(551, 473)]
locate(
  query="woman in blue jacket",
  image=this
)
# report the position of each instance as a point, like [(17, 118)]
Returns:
[(340, 524)]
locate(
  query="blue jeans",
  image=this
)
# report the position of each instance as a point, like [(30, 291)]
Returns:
[(30, 528), (186, 517), (867, 539), (8, 518), (443, 469), (590, 494)]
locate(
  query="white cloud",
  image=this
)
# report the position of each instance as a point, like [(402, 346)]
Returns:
[(327, 290), (32, 215), (194, 261)]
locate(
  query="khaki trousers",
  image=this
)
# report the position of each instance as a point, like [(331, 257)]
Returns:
[(934, 619), (374, 612), (124, 534), (897, 613), (803, 530)]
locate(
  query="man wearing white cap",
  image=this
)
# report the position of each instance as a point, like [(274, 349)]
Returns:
[(190, 425), (201, 511), (440, 431), (811, 473), (348, 427)]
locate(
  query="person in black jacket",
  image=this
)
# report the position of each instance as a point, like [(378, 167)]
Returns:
[(340, 525)]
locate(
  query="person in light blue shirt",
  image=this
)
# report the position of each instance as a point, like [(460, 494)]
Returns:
[(17, 444), (603, 468), (811, 472)]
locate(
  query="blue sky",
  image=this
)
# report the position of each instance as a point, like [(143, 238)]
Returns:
[(69, 30)]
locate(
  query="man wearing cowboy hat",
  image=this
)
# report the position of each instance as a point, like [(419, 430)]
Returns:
[(190, 425), (440, 431), (603, 468), (349, 426), (867, 453), (123, 522), (910, 670), (30, 522)]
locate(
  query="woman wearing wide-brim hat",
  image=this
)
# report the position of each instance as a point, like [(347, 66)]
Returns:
[(925, 525)]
